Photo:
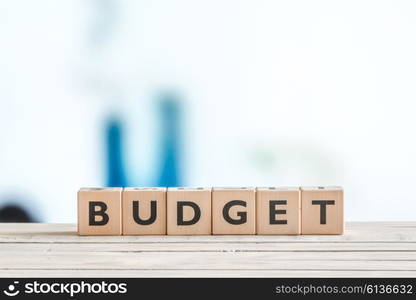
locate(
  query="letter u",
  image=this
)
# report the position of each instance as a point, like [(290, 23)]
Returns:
[(136, 213)]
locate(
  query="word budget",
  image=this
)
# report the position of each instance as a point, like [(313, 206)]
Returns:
[(206, 211)]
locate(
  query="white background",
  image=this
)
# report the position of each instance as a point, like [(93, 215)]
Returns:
[(273, 92)]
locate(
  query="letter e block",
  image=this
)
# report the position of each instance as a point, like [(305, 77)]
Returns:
[(322, 210), (99, 211), (144, 211), (234, 210), (278, 210), (189, 211)]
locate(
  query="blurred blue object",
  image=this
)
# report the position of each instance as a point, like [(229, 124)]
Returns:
[(116, 176), (169, 108), (104, 18)]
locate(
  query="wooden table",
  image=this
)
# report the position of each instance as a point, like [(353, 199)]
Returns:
[(366, 250)]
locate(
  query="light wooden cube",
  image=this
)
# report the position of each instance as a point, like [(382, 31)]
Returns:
[(234, 210), (189, 211), (322, 210), (144, 211), (278, 210), (99, 211)]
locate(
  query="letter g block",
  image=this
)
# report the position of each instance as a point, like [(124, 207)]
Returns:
[(234, 210), (99, 211)]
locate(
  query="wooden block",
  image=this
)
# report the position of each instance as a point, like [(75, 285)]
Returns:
[(322, 210), (99, 211), (278, 210), (189, 211), (234, 210), (144, 211)]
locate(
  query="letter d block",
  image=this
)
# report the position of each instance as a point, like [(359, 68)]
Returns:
[(234, 211), (189, 211), (278, 210), (99, 211), (322, 210), (144, 211)]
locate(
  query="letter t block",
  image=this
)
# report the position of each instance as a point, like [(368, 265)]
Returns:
[(322, 210), (99, 211)]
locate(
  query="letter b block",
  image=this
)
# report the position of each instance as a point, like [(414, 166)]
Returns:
[(278, 210), (234, 211), (322, 210), (99, 211), (189, 211), (144, 211)]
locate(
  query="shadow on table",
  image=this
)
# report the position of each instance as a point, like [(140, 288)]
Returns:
[(13, 213)]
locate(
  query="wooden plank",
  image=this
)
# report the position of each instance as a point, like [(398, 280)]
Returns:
[(212, 261), (366, 249), (39, 273), (208, 247), (66, 233), (276, 256)]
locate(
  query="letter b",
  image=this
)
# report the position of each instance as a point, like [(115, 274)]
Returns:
[(94, 212)]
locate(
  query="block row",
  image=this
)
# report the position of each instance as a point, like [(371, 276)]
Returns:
[(205, 211)]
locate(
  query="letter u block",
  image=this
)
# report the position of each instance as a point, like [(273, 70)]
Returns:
[(99, 211), (234, 210), (189, 211), (322, 210), (144, 211), (278, 210)]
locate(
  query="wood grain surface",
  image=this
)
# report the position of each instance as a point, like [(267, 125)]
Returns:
[(378, 249)]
